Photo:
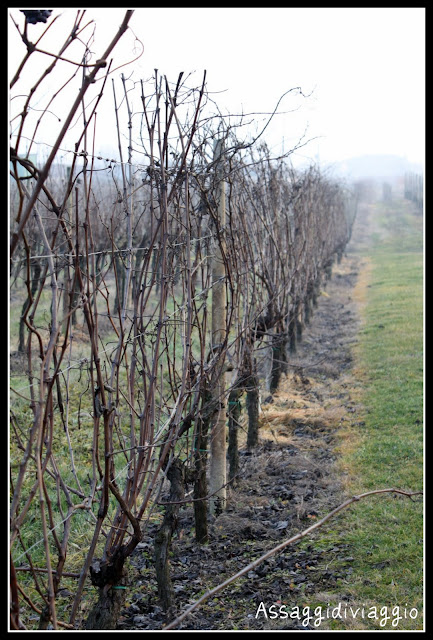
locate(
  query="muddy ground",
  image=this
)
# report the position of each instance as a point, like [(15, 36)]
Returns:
[(290, 481)]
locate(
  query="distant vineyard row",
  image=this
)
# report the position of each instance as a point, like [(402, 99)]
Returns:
[(148, 298)]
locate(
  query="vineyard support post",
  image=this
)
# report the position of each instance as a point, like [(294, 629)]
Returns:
[(218, 471)]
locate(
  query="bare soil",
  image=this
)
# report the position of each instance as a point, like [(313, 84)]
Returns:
[(284, 485)]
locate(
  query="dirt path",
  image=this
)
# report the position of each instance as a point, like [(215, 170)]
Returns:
[(284, 486)]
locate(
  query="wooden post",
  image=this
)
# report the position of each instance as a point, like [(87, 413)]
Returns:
[(218, 472), (66, 271)]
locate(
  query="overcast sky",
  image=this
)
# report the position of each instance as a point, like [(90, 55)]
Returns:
[(364, 69)]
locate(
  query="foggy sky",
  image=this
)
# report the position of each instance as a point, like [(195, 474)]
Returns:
[(363, 70)]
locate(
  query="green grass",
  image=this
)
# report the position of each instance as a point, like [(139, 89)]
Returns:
[(385, 532)]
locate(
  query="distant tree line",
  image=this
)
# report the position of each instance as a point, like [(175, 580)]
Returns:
[(413, 188)]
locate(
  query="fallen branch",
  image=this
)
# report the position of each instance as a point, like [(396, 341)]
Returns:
[(282, 546)]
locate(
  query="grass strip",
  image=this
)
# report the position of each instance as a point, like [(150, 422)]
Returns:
[(387, 442)]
